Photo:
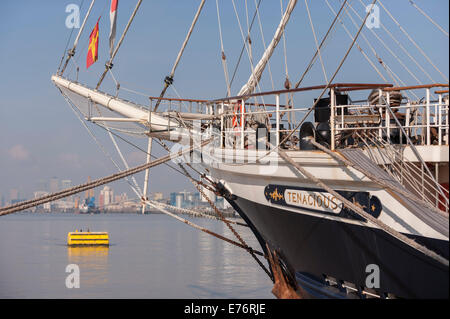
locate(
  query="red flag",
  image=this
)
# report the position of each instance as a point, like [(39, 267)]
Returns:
[(112, 18), (92, 55)]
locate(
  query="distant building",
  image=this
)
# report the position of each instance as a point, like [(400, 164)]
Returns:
[(64, 205), (54, 185), (108, 195), (185, 195), (101, 200), (222, 203), (172, 199), (158, 196), (66, 183), (38, 194), (179, 200)]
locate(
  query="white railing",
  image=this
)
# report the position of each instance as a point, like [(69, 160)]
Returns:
[(426, 122)]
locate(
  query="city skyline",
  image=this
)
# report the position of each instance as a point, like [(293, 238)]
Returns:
[(106, 200), (54, 184)]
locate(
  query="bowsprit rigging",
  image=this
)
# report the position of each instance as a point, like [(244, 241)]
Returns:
[(377, 151)]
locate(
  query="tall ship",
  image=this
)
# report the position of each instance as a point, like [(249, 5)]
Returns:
[(344, 184)]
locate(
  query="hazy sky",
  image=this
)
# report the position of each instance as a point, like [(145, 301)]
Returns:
[(41, 138)]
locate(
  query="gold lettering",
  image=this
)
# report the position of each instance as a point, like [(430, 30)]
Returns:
[(319, 197), (326, 201), (304, 200), (309, 202), (335, 205)]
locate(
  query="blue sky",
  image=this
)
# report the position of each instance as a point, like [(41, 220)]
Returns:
[(39, 135)]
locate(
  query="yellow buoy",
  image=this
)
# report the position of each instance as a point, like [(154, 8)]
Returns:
[(87, 238)]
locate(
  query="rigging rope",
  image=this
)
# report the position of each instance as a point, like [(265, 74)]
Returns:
[(109, 64), (217, 211), (65, 49), (400, 45), (428, 17), (85, 44), (315, 40), (413, 42), (169, 79), (264, 43), (257, 71), (193, 212), (296, 128), (160, 208), (378, 181), (98, 143), (390, 72), (360, 49), (98, 182), (244, 45), (71, 52), (271, 149), (390, 51), (357, 209), (320, 46), (136, 187), (328, 84), (223, 56)]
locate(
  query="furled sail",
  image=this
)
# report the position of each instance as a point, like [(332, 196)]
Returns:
[(259, 68)]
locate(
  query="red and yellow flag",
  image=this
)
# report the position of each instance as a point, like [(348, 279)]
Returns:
[(92, 55)]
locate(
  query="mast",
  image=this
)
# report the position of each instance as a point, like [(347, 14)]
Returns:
[(258, 70)]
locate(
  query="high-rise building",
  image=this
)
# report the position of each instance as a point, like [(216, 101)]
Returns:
[(173, 199), (54, 185), (66, 183), (185, 194), (179, 200), (108, 195), (101, 200)]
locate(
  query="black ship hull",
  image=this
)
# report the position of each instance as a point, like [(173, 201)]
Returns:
[(315, 248)]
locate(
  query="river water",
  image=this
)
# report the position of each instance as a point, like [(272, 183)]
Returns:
[(150, 256)]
